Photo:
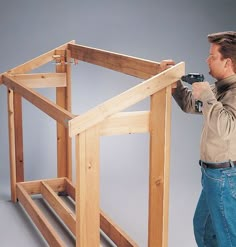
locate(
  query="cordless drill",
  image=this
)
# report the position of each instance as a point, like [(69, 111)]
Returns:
[(190, 79)]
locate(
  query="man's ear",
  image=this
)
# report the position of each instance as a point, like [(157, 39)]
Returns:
[(229, 63)]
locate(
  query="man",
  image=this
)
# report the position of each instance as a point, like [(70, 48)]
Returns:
[(215, 216)]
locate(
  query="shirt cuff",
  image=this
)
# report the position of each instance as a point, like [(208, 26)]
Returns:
[(207, 96), (208, 99)]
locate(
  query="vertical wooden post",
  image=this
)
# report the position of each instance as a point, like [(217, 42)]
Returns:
[(160, 117), (87, 189), (18, 137), (15, 140), (12, 151), (63, 99)]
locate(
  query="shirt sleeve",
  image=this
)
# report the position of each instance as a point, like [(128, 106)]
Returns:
[(220, 116), (184, 98)]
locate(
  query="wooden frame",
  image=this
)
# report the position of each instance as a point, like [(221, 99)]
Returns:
[(104, 119)]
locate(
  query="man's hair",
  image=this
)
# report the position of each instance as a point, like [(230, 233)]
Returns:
[(227, 42)]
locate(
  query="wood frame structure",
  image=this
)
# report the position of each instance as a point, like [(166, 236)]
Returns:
[(104, 119)]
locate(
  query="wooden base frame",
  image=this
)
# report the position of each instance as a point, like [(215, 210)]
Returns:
[(49, 190), (107, 118)]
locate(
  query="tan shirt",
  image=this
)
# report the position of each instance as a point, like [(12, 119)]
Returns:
[(218, 139)]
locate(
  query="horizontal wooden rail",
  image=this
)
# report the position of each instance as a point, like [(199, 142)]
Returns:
[(53, 110), (38, 218), (133, 66), (41, 80), (34, 187), (59, 206), (126, 123), (125, 99)]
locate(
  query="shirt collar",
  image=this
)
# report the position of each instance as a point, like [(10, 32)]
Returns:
[(226, 82)]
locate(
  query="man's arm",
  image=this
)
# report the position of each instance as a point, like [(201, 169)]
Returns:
[(219, 115), (182, 95)]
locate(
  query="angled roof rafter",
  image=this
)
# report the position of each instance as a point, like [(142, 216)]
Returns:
[(125, 99), (53, 110), (36, 62)]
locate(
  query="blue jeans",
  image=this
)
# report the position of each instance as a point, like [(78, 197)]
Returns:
[(215, 216)]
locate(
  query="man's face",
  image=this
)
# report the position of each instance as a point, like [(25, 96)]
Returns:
[(216, 63)]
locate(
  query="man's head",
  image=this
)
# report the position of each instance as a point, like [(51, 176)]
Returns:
[(222, 57)]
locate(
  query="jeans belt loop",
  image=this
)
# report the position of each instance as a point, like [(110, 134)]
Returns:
[(231, 163)]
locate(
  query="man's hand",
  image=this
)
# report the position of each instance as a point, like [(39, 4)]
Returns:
[(165, 64), (199, 87)]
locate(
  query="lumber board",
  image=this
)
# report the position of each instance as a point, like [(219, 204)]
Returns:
[(38, 218), (160, 120), (112, 230), (41, 80), (18, 125), (56, 112), (57, 184), (70, 189), (115, 233), (34, 187), (87, 188), (133, 66), (68, 100), (125, 123), (68, 80), (126, 99), (63, 99), (38, 61), (58, 206), (12, 144)]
